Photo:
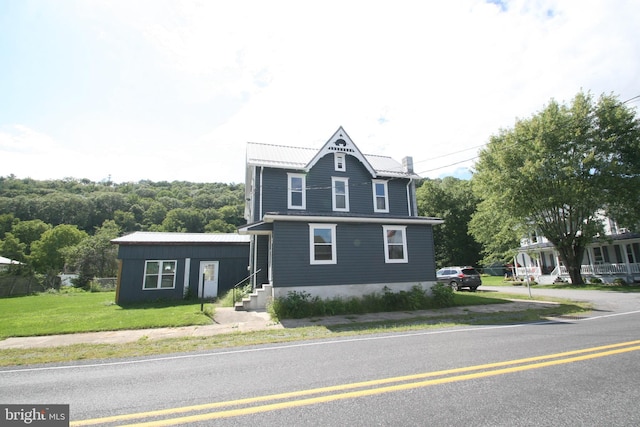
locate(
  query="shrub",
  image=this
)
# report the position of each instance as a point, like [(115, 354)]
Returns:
[(297, 305), (227, 300), (620, 282), (442, 295), (595, 280)]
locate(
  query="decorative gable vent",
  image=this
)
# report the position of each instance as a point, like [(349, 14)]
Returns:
[(341, 146), (341, 143)]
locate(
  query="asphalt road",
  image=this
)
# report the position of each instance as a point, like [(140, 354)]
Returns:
[(556, 373)]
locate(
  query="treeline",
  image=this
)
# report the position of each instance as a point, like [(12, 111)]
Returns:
[(150, 206), (67, 225)]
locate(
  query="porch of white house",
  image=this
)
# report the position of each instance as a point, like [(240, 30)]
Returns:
[(606, 272), (543, 264)]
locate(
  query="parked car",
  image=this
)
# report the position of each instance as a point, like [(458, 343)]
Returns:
[(459, 277)]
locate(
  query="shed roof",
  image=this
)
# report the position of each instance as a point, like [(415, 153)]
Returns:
[(159, 238), (7, 261)]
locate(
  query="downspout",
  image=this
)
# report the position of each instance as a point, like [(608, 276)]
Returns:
[(260, 211), (409, 210), (255, 246)]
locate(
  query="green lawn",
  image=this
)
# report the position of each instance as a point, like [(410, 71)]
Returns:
[(71, 312), (74, 311), (494, 281)]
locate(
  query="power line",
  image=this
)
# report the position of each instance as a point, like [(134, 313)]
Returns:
[(633, 99)]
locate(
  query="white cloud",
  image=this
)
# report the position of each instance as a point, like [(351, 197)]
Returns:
[(416, 78)]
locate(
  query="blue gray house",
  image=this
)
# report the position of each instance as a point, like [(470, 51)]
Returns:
[(171, 266), (334, 222)]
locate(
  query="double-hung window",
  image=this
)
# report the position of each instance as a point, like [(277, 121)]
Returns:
[(340, 162), (159, 275), (395, 243), (380, 196), (340, 194), (322, 244), (296, 192)]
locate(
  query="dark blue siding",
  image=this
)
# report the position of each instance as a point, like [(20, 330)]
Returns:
[(360, 254), (319, 193), (233, 262)]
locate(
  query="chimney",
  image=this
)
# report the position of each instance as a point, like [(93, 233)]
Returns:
[(407, 164)]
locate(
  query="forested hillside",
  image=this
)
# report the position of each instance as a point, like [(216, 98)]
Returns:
[(67, 225), (144, 205)]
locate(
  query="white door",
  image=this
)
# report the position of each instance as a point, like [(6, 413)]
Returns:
[(208, 281)]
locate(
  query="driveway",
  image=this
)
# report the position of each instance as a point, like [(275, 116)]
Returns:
[(604, 301)]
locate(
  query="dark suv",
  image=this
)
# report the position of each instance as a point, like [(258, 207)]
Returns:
[(459, 277)]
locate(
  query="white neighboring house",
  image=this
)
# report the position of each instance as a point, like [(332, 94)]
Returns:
[(614, 255), (6, 262)]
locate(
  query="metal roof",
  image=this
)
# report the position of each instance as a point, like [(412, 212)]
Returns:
[(285, 157), (148, 237)]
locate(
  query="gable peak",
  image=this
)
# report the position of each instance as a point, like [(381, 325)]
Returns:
[(340, 142)]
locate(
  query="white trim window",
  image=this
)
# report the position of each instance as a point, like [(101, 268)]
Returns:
[(296, 191), (340, 162), (322, 244), (340, 194), (159, 274), (380, 196), (395, 243)]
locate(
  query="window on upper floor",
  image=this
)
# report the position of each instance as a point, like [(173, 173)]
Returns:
[(296, 193), (340, 194), (380, 196), (340, 161), (322, 244), (159, 275), (395, 243)]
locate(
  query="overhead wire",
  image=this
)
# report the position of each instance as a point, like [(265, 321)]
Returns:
[(632, 99)]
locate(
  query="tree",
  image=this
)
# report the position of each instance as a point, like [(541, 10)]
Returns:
[(7, 221), (184, 221), (12, 248), (95, 256), (559, 172), (47, 253), (29, 231), (451, 199)]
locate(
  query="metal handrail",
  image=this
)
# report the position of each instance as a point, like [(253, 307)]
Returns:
[(241, 282)]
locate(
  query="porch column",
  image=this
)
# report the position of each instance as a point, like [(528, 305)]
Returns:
[(625, 254)]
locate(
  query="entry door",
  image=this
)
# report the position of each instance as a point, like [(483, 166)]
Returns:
[(208, 281)]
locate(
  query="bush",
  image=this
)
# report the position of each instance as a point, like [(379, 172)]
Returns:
[(442, 295), (620, 282), (227, 300), (595, 280), (298, 305)]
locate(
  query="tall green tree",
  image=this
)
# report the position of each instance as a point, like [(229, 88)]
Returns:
[(7, 220), (453, 200), (12, 248), (95, 256), (559, 171), (47, 253), (183, 220), (29, 231)]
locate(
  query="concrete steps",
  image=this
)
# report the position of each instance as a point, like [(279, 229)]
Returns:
[(257, 300)]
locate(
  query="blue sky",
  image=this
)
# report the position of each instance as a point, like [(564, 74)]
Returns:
[(172, 90)]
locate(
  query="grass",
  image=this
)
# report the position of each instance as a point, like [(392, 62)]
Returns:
[(145, 347), (79, 311), (82, 312)]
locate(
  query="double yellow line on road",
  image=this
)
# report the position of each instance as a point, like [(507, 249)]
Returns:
[(314, 396)]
